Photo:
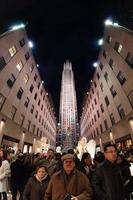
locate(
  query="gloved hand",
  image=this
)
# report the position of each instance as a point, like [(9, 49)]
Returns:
[(74, 198)]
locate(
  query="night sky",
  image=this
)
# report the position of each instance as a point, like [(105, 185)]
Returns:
[(63, 30)]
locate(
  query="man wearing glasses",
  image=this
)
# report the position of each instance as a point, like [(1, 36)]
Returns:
[(68, 183), (107, 181)]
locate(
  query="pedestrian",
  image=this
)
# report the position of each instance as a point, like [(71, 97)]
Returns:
[(106, 180), (5, 172), (68, 183), (36, 185)]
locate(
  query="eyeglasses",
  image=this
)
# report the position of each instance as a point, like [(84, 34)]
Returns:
[(111, 152)]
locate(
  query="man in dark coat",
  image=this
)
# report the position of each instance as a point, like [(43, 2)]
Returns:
[(107, 181)]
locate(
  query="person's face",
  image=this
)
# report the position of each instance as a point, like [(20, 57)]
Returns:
[(50, 154), (88, 161), (68, 165), (41, 172), (111, 154)]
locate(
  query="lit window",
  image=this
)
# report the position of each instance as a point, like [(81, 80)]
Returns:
[(12, 51), (19, 66), (26, 78), (118, 47), (121, 78)]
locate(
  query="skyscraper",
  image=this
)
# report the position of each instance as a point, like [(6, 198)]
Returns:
[(68, 116)]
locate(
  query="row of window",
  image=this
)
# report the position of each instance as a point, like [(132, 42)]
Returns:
[(12, 50)]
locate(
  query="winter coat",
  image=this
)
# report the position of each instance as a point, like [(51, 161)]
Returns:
[(34, 189), (61, 184), (4, 175), (107, 182)]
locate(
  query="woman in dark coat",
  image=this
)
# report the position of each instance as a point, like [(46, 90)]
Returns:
[(36, 185)]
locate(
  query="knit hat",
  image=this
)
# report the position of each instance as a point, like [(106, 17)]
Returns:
[(67, 156)]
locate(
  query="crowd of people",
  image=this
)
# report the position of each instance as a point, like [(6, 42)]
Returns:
[(57, 176)]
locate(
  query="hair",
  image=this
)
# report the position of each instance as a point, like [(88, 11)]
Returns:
[(41, 166), (99, 157), (84, 156), (71, 151), (50, 149), (109, 145)]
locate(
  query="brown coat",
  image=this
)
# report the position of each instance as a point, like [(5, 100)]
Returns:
[(76, 184)]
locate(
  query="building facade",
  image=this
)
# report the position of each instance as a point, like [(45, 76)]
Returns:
[(27, 119), (68, 116), (107, 113)]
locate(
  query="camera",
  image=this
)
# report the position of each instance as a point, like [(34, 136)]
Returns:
[(68, 197)]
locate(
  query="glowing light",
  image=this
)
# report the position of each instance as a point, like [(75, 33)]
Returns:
[(37, 65), (100, 42), (95, 64), (91, 81), (16, 27), (115, 24), (42, 82), (108, 22), (30, 44)]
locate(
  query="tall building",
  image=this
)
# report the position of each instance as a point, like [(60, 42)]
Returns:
[(68, 116), (27, 119), (108, 106)]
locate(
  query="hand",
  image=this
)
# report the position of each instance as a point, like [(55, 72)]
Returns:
[(74, 198)]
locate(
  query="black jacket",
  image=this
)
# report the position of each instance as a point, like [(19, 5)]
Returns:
[(107, 182)]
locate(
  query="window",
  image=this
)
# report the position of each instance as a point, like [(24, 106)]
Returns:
[(105, 54), (27, 102), (12, 51), (95, 118), (98, 75), (13, 112), (111, 62), (101, 128), (33, 129), (101, 86), (106, 124), (95, 101), (121, 111), (21, 120), (27, 55), (35, 96), (2, 63), (121, 78), (38, 85), (101, 65), (11, 81), (39, 102), (22, 42), (28, 124), (41, 107), (31, 88), (113, 92), (39, 119), (2, 100), (35, 77), (31, 67), (130, 97), (20, 93), (106, 76), (102, 109), (32, 109), (95, 84), (26, 78), (129, 59), (107, 101), (112, 118), (19, 66), (108, 39), (36, 115), (118, 47), (97, 130), (98, 114)]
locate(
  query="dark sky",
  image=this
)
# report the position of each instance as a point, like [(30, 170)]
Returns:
[(63, 30)]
